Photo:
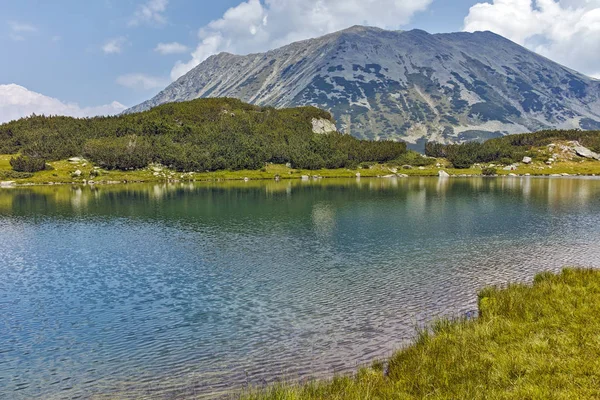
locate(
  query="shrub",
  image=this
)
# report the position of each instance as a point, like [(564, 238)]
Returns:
[(415, 159), (27, 164), (489, 171), (15, 175)]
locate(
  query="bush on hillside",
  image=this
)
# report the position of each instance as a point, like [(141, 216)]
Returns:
[(27, 164)]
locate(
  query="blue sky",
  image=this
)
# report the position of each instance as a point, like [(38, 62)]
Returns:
[(96, 52)]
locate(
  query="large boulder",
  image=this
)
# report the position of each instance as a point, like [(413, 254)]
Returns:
[(586, 153), (322, 126), (443, 174), (527, 160)]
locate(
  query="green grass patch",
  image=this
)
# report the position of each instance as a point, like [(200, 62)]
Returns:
[(529, 342)]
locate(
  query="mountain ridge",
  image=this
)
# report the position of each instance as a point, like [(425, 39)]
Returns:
[(409, 85)]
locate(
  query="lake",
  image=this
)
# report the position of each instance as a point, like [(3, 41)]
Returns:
[(197, 290)]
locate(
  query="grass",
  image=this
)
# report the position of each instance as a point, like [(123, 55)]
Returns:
[(63, 170), (529, 342)]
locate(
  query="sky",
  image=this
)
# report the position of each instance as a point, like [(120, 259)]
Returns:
[(97, 57)]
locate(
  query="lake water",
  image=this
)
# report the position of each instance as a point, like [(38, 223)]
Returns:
[(183, 290)]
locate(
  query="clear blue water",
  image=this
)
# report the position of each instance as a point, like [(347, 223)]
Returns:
[(192, 291)]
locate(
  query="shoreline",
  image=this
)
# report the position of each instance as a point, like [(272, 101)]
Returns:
[(493, 352), (75, 173), (9, 185)]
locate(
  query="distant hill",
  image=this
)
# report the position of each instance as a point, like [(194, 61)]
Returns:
[(404, 85), (199, 135)]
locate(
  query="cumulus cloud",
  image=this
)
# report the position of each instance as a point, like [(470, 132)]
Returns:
[(18, 102), (254, 26), (114, 46), (151, 13), (171, 48), (565, 31), (142, 81), (18, 30)]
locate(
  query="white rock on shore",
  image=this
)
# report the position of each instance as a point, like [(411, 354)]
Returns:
[(443, 174), (586, 153)]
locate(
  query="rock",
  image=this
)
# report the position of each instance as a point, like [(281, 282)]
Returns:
[(305, 177), (7, 183), (358, 174), (527, 174), (407, 167), (76, 174), (75, 159), (527, 160), (246, 179), (556, 175), (443, 174), (422, 168), (586, 153), (512, 175), (288, 165), (157, 169), (510, 168), (402, 176), (389, 176), (322, 126), (565, 174)]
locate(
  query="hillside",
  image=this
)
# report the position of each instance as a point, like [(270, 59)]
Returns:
[(409, 85), (200, 135)]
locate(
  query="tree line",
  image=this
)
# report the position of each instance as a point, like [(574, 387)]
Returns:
[(507, 149), (198, 135)]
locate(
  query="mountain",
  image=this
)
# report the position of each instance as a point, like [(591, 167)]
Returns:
[(408, 85)]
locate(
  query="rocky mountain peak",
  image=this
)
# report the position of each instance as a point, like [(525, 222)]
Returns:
[(408, 85)]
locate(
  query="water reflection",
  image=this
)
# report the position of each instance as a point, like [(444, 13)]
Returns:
[(180, 290)]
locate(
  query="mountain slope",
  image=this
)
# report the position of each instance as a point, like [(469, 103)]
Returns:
[(404, 85)]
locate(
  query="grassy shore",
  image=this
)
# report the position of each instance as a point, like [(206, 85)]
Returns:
[(529, 342), (63, 172)]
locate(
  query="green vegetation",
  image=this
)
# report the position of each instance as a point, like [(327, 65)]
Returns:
[(225, 139), (199, 135), (27, 164), (539, 342), (488, 171), (508, 149)]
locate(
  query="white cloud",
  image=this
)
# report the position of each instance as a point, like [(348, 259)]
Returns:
[(142, 81), (254, 26), (19, 30), (151, 12), (171, 48), (114, 46), (17, 102), (565, 31)]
